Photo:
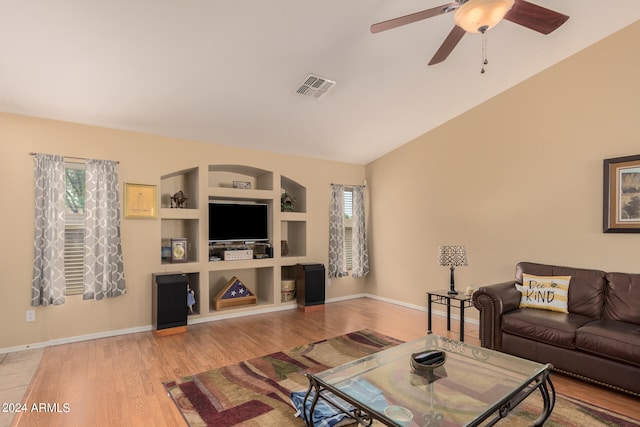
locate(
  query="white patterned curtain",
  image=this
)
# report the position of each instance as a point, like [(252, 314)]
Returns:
[(360, 251), (48, 283), (104, 272), (337, 259)]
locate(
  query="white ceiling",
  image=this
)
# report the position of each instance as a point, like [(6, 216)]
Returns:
[(225, 71)]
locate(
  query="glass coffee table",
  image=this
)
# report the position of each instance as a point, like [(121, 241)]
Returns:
[(475, 386)]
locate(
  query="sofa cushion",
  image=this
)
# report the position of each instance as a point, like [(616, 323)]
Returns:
[(544, 326), (544, 292), (586, 292), (622, 298), (612, 339)]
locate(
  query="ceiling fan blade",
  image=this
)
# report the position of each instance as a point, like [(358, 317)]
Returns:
[(535, 17), (448, 45), (414, 17)]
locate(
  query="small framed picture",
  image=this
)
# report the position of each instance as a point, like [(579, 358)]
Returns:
[(244, 185), (178, 250), (140, 201), (622, 195)]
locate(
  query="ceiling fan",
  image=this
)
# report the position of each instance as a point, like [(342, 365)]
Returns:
[(478, 16)]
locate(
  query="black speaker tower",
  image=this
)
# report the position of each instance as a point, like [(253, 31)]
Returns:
[(310, 286), (169, 306)]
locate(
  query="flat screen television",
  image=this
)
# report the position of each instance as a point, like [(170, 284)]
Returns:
[(235, 222)]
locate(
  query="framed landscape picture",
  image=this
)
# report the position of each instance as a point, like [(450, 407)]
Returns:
[(621, 204)]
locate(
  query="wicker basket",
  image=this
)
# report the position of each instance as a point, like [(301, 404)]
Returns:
[(287, 290)]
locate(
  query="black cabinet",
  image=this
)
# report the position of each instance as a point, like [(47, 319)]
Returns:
[(169, 306), (310, 285)]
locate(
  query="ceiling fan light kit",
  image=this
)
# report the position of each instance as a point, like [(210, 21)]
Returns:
[(478, 16)]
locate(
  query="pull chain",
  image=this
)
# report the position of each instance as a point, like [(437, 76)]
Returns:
[(484, 51)]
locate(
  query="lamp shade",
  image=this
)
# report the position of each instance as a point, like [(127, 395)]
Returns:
[(477, 16), (452, 256)]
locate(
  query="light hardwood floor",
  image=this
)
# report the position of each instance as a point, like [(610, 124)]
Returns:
[(118, 381)]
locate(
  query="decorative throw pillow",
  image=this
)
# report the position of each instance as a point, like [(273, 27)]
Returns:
[(545, 292)]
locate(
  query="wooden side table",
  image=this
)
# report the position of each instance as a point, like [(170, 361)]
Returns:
[(443, 298)]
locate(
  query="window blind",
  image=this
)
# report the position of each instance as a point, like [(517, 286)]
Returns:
[(348, 222), (74, 229)]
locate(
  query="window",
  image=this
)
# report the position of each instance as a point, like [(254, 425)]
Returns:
[(348, 226), (74, 229)]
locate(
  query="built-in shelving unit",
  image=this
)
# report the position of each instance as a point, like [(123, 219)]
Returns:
[(224, 182)]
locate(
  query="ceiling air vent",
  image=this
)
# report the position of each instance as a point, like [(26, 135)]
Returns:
[(315, 86)]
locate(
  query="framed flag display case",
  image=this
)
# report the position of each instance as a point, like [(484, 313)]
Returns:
[(235, 294)]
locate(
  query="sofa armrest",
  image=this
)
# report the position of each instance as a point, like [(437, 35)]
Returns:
[(493, 301)]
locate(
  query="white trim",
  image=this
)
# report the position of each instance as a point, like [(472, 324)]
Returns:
[(77, 338), (400, 303), (231, 315), (345, 298)]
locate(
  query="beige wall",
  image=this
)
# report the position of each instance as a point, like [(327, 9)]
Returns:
[(517, 178), (143, 159)]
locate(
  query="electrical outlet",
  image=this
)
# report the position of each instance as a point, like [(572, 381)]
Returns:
[(31, 316)]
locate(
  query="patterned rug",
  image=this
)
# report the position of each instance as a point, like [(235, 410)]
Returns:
[(255, 393)]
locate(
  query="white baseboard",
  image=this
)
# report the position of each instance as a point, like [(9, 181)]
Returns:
[(231, 315), (77, 338)]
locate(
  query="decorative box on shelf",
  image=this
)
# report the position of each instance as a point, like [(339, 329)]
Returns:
[(235, 294)]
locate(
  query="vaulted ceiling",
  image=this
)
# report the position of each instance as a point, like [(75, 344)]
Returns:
[(226, 71)]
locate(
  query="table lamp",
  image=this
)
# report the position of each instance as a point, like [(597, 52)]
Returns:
[(452, 256)]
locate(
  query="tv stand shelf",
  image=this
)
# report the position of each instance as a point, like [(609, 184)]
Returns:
[(220, 183), (240, 264), (240, 194)]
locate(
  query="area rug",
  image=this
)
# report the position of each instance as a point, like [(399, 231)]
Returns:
[(255, 393)]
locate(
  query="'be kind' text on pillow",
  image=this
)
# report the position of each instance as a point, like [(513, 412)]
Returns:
[(544, 292)]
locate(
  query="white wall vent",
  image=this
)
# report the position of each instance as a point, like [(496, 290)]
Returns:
[(315, 86)]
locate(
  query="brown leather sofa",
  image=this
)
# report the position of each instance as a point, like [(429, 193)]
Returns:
[(598, 340)]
